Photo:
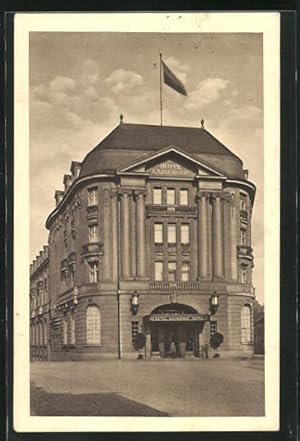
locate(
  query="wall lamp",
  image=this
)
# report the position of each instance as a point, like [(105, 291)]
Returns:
[(214, 302), (134, 302)]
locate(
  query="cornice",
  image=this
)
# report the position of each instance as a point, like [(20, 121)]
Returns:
[(70, 192)]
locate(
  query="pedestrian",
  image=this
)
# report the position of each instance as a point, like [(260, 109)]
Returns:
[(205, 350), (173, 350)]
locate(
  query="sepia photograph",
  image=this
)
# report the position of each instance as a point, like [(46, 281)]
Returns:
[(148, 195)]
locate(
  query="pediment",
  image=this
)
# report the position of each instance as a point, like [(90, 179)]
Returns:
[(170, 162)]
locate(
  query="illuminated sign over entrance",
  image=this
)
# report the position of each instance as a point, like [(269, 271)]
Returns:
[(178, 317)]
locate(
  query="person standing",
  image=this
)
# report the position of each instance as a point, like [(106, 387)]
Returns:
[(173, 350)]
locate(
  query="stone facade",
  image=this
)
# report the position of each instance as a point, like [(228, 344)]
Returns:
[(141, 246)]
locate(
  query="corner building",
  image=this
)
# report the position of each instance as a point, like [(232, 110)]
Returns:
[(152, 229)]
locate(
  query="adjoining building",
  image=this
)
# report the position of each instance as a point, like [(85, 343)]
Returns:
[(151, 234)]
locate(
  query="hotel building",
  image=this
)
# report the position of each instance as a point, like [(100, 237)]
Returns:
[(151, 234)]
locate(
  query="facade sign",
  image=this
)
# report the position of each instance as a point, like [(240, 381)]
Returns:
[(170, 168), (178, 317)]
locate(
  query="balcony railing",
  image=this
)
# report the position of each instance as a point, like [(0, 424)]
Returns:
[(91, 248), (174, 286), (92, 212), (152, 209)]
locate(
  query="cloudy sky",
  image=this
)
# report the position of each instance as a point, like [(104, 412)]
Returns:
[(81, 82)]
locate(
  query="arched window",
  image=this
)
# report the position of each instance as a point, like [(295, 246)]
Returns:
[(65, 330), (246, 324), (93, 331), (72, 318), (35, 336), (40, 342), (45, 333), (32, 334)]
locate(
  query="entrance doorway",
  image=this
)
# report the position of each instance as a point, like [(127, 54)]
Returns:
[(175, 331), (184, 336)]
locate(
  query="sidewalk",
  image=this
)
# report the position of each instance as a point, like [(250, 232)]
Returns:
[(211, 387)]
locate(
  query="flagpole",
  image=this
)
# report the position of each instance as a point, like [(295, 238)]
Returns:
[(160, 88)]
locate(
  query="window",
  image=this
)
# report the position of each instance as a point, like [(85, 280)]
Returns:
[(157, 196), (243, 276), (171, 233), (243, 205), (172, 271), (158, 233), (93, 272), (171, 196), (45, 337), (65, 237), (185, 233), (213, 327), (243, 236), (92, 196), (72, 333), (65, 330), (159, 268), (245, 324), (93, 233), (134, 330), (72, 274), (64, 271), (93, 336), (183, 196), (73, 228), (185, 271)]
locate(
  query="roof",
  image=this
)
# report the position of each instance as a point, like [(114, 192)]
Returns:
[(132, 141)]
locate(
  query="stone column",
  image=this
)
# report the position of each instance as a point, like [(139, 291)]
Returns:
[(125, 235), (141, 237), (202, 235), (106, 234), (114, 245), (217, 238), (133, 235), (233, 237)]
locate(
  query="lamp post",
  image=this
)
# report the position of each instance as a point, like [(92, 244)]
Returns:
[(134, 302)]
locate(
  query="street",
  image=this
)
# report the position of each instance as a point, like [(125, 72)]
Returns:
[(213, 387)]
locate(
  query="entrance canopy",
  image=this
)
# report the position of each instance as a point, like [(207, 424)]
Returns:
[(176, 312)]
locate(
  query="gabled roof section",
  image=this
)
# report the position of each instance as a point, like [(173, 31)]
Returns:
[(168, 152), (154, 137)]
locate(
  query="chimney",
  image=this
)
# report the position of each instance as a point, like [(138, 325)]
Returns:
[(67, 182), (75, 169), (46, 251), (59, 195)]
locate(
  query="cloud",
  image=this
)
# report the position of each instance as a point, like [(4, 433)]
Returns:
[(179, 69), (124, 81), (62, 84), (208, 91)]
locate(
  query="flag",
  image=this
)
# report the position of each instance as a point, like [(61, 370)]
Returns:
[(172, 81)]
